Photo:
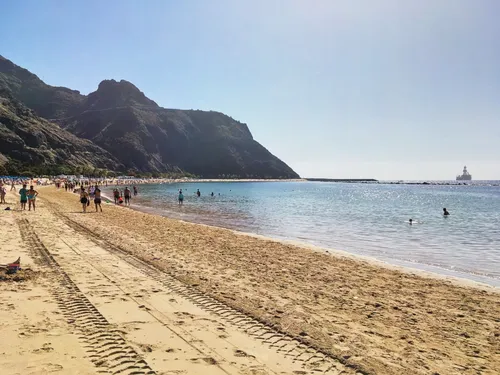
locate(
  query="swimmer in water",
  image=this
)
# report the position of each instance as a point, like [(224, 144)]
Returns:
[(127, 194), (445, 212), (410, 221), (116, 195)]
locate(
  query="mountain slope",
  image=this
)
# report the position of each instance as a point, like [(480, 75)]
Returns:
[(143, 136), (47, 101), (28, 142)]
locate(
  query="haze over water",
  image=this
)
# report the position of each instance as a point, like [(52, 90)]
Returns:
[(364, 219)]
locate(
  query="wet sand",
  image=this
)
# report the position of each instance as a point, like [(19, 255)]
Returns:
[(371, 319)]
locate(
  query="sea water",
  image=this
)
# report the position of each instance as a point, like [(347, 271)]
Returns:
[(360, 218)]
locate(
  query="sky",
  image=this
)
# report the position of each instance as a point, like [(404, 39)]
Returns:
[(384, 89)]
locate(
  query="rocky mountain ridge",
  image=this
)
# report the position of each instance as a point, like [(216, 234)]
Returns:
[(141, 136), (31, 143)]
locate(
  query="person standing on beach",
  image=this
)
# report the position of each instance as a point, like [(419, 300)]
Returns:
[(3, 192), (32, 194), (126, 194), (84, 199), (116, 195), (23, 192), (97, 199), (181, 198), (135, 191)]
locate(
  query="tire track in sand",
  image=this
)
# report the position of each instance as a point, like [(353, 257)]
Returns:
[(107, 349), (309, 357)]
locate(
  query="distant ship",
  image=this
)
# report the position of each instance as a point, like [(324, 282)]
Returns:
[(465, 176)]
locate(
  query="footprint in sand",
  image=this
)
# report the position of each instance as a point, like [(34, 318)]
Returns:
[(241, 353), (44, 349), (208, 360), (259, 371), (184, 314), (51, 367), (146, 348)]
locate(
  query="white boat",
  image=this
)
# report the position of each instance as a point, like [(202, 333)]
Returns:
[(466, 176)]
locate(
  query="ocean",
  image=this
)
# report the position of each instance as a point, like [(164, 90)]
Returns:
[(364, 219)]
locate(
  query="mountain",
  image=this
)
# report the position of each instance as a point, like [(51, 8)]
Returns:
[(29, 142), (47, 101), (143, 136)]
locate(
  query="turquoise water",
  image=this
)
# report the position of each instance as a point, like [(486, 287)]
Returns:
[(364, 219)]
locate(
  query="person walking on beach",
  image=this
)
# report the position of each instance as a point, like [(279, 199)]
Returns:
[(13, 186), (445, 212), (97, 199), (84, 199), (23, 192), (126, 194), (32, 194), (181, 198), (3, 192)]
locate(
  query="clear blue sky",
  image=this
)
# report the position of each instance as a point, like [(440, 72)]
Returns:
[(388, 89)]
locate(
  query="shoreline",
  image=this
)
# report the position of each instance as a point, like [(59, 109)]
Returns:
[(374, 319), (425, 270), (456, 280)]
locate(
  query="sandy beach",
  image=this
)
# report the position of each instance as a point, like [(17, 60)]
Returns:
[(141, 181), (138, 293)]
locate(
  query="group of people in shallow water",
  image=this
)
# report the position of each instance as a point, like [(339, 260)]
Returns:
[(445, 213), (198, 194), (125, 196)]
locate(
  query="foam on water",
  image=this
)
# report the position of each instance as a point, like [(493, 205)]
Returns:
[(364, 219)]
